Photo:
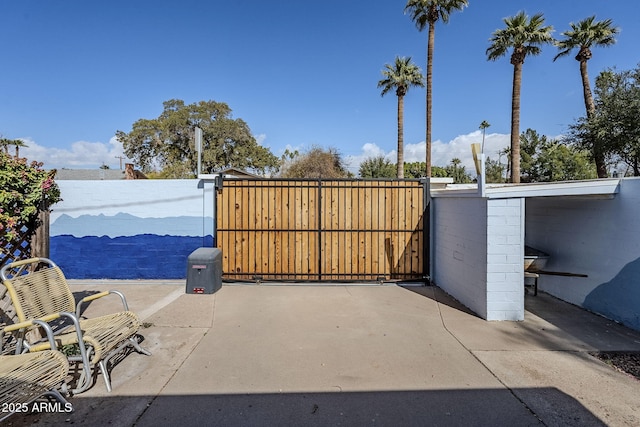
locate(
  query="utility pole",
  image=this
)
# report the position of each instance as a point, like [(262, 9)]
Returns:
[(121, 158)]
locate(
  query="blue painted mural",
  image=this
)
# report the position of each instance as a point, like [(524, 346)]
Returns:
[(130, 229), (144, 256), (127, 247)]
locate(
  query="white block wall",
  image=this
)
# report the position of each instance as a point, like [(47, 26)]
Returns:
[(478, 254), (505, 258)]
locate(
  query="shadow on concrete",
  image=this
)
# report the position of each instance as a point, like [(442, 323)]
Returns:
[(591, 329), (483, 407), (436, 294)]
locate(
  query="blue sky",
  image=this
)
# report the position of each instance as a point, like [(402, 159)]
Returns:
[(299, 73)]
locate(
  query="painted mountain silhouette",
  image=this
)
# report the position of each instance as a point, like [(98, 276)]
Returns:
[(123, 224)]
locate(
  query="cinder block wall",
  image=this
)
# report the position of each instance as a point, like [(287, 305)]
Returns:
[(596, 237), (505, 252), (130, 229), (478, 254)]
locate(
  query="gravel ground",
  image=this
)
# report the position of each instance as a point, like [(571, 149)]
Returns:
[(628, 362)]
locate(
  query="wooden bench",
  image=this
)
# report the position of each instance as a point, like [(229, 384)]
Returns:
[(39, 290)]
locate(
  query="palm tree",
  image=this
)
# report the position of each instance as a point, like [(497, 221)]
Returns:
[(455, 162), (483, 126), (18, 143), (425, 13), (400, 76), (4, 144), (506, 152), (583, 35), (524, 36)]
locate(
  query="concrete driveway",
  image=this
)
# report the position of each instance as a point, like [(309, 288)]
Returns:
[(353, 355)]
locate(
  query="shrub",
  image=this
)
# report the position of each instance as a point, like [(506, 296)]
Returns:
[(25, 190)]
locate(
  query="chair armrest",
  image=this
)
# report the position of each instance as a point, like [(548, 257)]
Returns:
[(44, 323), (25, 347), (37, 322), (98, 296), (28, 323)]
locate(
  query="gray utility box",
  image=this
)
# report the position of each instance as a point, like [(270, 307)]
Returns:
[(204, 271)]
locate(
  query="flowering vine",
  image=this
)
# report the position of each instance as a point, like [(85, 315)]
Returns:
[(26, 189)]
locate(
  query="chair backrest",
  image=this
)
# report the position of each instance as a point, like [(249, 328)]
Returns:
[(39, 293)]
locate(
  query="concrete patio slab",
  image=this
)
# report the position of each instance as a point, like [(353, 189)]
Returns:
[(355, 355)]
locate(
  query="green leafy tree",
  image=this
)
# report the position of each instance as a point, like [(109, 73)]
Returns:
[(400, 76), (546, 160), (377, 167), (25, 190), (440, 172), (494, 171), (531, 145), (582, 36), (561, 162), (457, 172), (168, 142), (416, 170), (425, 14), (615, 125), (316, 163), (524, 36)]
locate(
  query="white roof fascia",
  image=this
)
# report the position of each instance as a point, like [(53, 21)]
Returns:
[(591, 188), (208, 176)]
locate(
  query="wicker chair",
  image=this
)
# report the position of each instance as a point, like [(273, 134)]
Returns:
[(24, 378), (39, 290)]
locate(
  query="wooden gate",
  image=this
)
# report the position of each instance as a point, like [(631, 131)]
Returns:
[(321, 230)]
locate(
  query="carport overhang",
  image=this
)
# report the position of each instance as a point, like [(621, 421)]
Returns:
[(598, 188), (478, 240)]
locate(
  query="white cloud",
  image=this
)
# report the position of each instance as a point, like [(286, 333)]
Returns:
[(369, 150), (91, 155), (441, 152), (81, 155), (260, 138), (460, 147)]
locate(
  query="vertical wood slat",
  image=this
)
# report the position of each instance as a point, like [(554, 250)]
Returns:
[(271, 229)]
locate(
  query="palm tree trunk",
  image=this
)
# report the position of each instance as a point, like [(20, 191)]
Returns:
[(586, 89), (430, 44), (590, 106), (400, 137), (515, 123)]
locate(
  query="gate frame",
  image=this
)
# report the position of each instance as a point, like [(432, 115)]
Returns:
[(425, 274)]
